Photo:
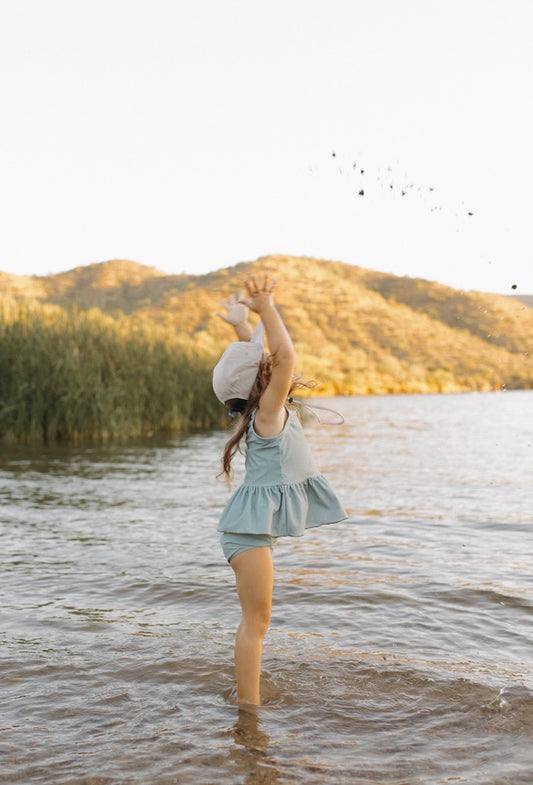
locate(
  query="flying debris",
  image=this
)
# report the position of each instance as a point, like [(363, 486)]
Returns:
[(388, 180), (514, 286)]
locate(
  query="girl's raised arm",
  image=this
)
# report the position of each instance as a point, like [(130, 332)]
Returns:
[(237, 315), (271, 415)]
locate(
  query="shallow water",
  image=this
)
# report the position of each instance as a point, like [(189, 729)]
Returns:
[(400, 650)]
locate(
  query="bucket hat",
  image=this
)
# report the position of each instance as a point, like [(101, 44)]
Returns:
[(234, 374)]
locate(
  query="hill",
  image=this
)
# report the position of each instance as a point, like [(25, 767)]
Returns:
[(525, 298), (356, 330)]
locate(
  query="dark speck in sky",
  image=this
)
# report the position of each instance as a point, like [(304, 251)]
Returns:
[(361, 192), (513, 286)]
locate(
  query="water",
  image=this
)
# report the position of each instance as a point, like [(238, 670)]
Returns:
[(400, 651)]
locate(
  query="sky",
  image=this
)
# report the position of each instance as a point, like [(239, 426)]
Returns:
[(191, 135)]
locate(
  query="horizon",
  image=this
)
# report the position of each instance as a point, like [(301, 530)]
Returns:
[(512, 293)]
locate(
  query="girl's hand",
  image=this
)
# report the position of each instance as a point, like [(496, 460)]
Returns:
[(259, 294), (237, 310)]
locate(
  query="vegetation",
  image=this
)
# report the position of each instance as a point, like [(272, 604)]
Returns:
[(83, 374), (122, 349)]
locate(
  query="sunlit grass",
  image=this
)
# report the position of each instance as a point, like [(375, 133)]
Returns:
[(85, 375), (118, 349)]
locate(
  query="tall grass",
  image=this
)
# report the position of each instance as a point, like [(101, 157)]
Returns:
[(85, 375)]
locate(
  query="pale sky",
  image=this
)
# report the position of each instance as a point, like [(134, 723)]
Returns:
[(191, 135)]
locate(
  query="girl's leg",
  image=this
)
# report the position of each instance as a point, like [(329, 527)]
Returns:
[(254, 574)]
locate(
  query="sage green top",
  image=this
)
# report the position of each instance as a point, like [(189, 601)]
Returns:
[(283, 492)]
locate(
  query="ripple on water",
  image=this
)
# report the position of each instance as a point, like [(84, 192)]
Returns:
[(400, 645)]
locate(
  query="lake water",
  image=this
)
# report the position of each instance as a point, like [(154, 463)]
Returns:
[(401, 644)]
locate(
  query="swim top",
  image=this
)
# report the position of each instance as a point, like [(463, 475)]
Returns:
[(283, 492)]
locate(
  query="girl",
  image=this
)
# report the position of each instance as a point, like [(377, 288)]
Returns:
[(283, 493)]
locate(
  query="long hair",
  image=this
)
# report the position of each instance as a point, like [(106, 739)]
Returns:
[(245, 409)]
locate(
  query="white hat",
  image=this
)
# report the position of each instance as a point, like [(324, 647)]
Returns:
[(234, 374)]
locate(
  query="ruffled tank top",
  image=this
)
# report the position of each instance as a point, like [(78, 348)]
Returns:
[(283, 492)]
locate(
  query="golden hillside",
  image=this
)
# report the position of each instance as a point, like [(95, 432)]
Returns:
[(355, 330)]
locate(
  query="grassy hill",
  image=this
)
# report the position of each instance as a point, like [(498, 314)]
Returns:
[(356, 331)]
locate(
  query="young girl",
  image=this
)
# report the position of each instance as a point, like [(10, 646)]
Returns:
[(283, 492)]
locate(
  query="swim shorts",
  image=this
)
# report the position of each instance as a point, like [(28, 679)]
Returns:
[(234, 542)]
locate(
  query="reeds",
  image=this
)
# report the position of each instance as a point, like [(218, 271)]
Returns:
[(73, 375)]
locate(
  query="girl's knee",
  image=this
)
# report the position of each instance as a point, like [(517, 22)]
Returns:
[(254, 575), (263, 621), (257, 620)]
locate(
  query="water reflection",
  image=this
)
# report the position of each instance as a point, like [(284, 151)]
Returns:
[(399, 649), (250, 753)]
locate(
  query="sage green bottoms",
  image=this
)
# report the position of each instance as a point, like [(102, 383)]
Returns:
[(236, 542)]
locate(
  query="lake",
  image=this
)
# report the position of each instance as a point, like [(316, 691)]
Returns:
[(401, 645)]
